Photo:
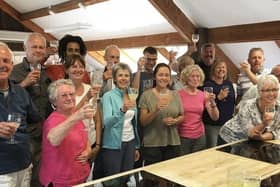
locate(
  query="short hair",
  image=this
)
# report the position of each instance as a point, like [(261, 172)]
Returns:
[(37, 35), (4, 45), (70, 60), (67, 39), (150, 50), (110, 47), (184, 61), (255, 49), (267, 79), (52, 89), (187, 72), (120, 66), (206, 45), (214, 66)]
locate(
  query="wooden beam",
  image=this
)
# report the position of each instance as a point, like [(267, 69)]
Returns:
[(5, 7), (138, 41), (61, 7), (245, 33), (98, 56), (277, 43), (164, 52), (175, 17)]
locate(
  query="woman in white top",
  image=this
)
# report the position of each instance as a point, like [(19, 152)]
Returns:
[(75, 69)]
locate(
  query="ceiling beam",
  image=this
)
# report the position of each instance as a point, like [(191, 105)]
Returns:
[(5, 7), (138, 41), (245, 33), (98, 56), (175, 17), (58, 8), (277, 43), (164, 52)]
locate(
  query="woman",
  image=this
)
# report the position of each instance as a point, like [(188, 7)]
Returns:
[(161, 112), (252, 121), (120, 138), (75, 69), (65, 146), (225, 99), (194, 102)]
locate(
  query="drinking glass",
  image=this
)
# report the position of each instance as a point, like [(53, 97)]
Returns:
[(15, 119), (92, 105), (132, 93), (97, 80), (208, 89), (269, 112), (54, 57), (36, 67), (195, 38)]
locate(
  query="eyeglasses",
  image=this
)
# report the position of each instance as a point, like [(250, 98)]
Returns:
[(270, 90)]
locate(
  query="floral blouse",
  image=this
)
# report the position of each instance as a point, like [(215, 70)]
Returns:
[(248, 116)]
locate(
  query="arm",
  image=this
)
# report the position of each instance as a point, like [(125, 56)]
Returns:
[(58, 133), (98, 129), (211, 107), (147, 117)]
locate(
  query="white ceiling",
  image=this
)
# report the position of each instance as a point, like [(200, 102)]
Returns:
[(123, 18)]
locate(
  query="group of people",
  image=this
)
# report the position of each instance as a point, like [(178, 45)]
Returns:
[(71, 129)]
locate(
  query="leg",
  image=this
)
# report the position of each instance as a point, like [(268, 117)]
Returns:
[(211, 132), (186, 145)]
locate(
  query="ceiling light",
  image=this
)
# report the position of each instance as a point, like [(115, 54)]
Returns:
[(70, 27)]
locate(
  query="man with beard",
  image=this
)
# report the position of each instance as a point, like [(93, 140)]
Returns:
[(35, 81), (207, 55), (250, 71)]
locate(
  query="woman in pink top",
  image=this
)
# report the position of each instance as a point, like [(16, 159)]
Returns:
[(65, 147), (194, 102)]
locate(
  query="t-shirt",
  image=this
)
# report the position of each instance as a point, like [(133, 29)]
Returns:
[(193, 105), (157, 133), (59, 163)]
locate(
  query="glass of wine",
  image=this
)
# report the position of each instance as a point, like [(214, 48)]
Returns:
[(54, 45), (36, 67), (15, 119), (269, 111), (132, 93), (208, 89), (195, 38), (97, 80)]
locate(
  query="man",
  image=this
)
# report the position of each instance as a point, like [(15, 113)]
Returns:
[(207, 55), (15, 159), (252, 92), (250, 71), (36, 84), (112, 57), (69, 45), (145, 69)]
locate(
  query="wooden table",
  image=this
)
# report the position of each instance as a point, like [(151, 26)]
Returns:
[(208, 168)]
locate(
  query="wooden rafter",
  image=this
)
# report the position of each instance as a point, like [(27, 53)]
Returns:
[(164, 52), (185, 27), (28, 24), (245, 33), (138, 41), (175, 17), (98, 56), (61, 7), (277, 43)]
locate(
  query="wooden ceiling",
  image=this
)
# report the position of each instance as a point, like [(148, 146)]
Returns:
[(184, 27)]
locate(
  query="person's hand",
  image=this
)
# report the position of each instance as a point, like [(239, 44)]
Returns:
[(141, 64), (86, 112), (7, 130), (84, 156), (223, 94), (94, 91), (267, 118), (128, 104), (191, 49), (245, 67), (94, 152), (136, 155), (107, 74), (210, 97), (169, 121), (31, 78)]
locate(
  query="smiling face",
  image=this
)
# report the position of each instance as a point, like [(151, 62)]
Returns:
[(208, 55), (269, 93), (112, 55), (122, 79), (65, 99), (35, 49), (76, 71), (151, 60), (6, 66), (194, 79), (220, 71), (163, 77), (256, 60)]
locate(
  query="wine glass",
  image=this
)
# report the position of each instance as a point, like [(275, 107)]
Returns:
[(92, 105), (15, 119), (269, 111), (132, 93), (97, 80), (195, 38), (54, 45), (208, 89), (36, 67)]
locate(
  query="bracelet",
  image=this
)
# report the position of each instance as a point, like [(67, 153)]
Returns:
[(97, 145)]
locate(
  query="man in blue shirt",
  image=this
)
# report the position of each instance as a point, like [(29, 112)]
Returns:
[(15, 159)]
